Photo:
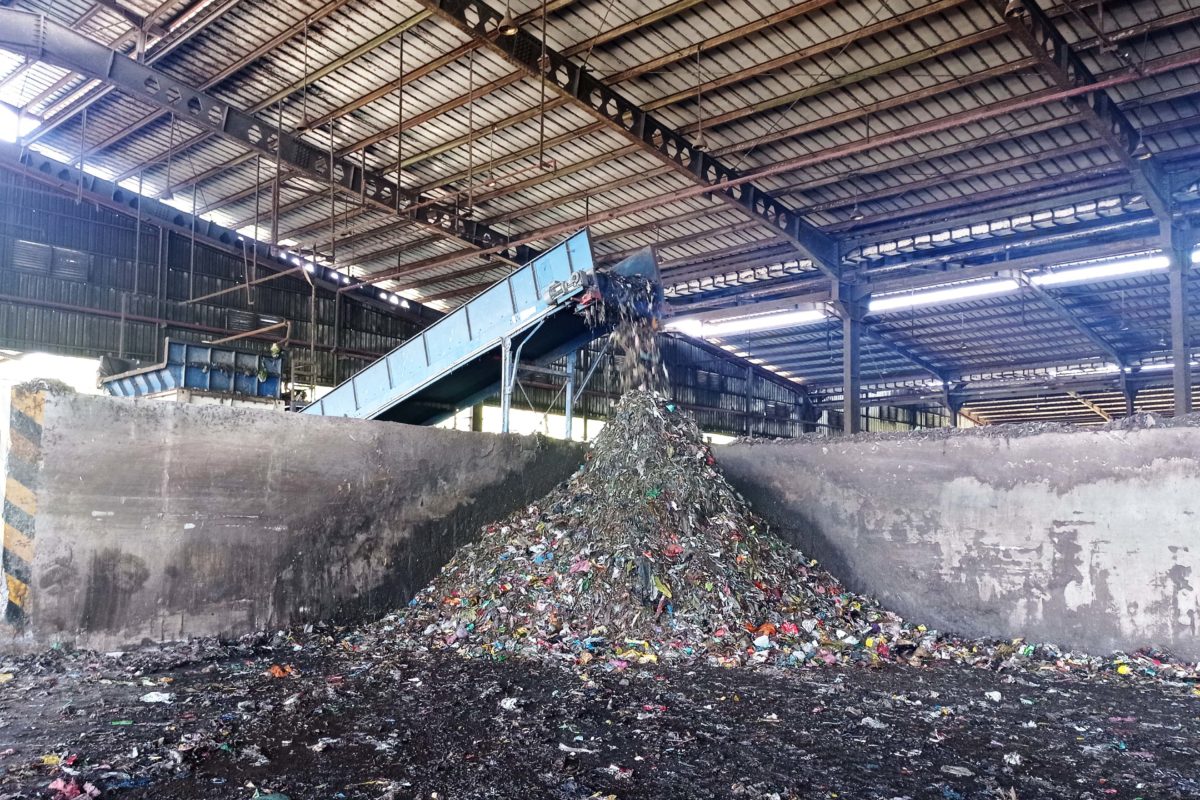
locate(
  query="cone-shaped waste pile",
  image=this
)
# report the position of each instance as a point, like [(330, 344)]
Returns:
[(647, 553)]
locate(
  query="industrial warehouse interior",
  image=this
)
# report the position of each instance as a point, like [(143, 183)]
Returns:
[(599, 399)]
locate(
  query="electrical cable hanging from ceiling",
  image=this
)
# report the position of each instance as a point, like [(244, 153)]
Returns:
[(543, 68), (252, 272), (167, 195), (304, 83), (470, 133), (278, 169), (699, 142), (332, 204), (400, 141)]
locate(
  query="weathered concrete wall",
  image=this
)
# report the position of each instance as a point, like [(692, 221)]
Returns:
[(162, 521), (1087, 538)]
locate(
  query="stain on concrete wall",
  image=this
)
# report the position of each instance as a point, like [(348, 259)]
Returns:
[(1085, 538), (163, 521)]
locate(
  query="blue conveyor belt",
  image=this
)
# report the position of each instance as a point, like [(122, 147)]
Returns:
[(455, 362)]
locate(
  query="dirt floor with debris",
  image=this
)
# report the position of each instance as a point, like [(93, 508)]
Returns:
[(340, 716)]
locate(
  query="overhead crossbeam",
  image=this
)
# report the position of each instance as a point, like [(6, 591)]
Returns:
[(1066, 69), (1069, 315), (891, 345), (479, 20), (36, 36)]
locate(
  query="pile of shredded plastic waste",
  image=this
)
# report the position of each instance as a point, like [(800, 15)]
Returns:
[(648, 554)]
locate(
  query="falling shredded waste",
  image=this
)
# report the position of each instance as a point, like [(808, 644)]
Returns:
[(631, 309)]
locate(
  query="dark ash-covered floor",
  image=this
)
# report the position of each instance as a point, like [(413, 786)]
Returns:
[(351, 717)]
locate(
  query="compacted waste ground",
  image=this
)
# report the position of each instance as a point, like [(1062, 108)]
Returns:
[(346, 716)]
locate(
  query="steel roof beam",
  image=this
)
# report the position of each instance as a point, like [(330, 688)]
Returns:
[(927, 217), (1069, 315), (832, 45), (51, 42), (969, 202), (713, 42), (1066, 70), (858, 113), (232, 69), (904, 351), (339, 62), (809, 127), (941, 178), (211, 9), (461, 100), (842, 81), (906, 60), (480, 21), (990, 111)]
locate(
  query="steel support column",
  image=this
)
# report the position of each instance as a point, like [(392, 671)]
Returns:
[(1181, 351), (569, 395), (508, 374), (850, 301), (749, 397), (1129, 392), (952, 399)]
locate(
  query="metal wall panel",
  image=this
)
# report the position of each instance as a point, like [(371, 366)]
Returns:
[(68, 270)]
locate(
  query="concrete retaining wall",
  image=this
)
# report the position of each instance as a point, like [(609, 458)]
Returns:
[(1088, 538), (129, 521)]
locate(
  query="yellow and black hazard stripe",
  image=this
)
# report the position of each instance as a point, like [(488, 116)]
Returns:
[(20, 500)]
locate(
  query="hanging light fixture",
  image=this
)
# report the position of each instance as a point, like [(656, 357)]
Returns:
[(1140, 151), (856, 213), (508, 26)]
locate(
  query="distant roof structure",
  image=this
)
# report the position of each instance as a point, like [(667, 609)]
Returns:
[(765, 149)]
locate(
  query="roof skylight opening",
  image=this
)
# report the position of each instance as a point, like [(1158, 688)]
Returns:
[(15, 125)]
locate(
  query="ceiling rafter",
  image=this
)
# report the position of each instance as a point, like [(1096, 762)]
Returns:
[(651, 135), (337, 63), (1143, 28), (177, 34), (238, 65), (1066, 69), (49, 41), (820, 124), (782, 166)]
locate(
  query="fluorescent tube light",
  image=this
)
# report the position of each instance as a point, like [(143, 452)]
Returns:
[(935, 297), (1102, 272), (759, 322)]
